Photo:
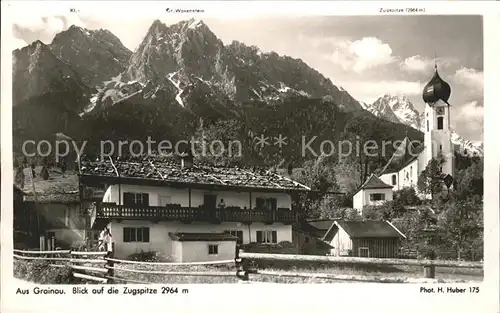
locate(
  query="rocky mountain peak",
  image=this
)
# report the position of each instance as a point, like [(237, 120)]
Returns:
[(96, 55)]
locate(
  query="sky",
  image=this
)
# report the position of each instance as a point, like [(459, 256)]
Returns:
[(369, 56)]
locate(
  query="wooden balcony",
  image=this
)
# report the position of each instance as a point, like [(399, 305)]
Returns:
[(175, 212)]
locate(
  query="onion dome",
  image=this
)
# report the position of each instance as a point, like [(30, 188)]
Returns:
[(436, 89)]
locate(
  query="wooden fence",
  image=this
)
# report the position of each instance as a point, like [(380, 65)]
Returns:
[(101, 267), (244, 268)]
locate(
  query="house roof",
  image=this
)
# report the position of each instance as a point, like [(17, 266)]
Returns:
[(316, 227), (365, 229), (202, 237), (54, 198), (403, 156), (373, 182), (59, 188), (153, 169)]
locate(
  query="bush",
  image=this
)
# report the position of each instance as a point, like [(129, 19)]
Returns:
[(150, 256), (40, 271)]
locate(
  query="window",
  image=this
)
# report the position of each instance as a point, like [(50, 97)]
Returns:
[(266, 204), (440, 148), (364, 252), (394, 180), (306, 240), (133, 199), (440, 122), (267, 236), (213, 249), (440, 111), (136, 234), (427, 125), (377, 197), (237, 233)]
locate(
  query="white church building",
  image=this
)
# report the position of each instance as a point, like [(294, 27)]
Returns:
[(411, 158)]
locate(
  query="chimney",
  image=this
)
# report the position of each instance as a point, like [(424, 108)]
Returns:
[(187, 159)]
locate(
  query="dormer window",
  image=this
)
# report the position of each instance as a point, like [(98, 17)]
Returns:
[(440, 122)]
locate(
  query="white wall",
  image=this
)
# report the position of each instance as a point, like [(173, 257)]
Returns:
[(362, 198), (406, 177), (197, 251), (341, 243), (181, 196), (161, 242), (435, 137), (358, 201)]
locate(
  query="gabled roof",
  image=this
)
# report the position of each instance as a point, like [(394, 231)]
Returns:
[(59, 188), (404, 155), (202, 237), (54, 198), (373, 182), (155, 169), (317, 227), (365, 229)]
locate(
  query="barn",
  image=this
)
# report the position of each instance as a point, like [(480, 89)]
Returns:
[(372, 239)]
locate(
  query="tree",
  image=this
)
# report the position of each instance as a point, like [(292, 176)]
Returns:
[(430, 180), (461, 226), (469, 181), (388, 210), (320, 176), (407, 197), (208, 138)]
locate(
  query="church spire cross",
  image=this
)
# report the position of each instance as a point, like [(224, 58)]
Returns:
[(435, 61)]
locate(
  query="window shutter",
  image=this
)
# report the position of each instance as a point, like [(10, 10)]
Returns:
[(274, 203), (145, 199), (133, 234), (145, 234), (259, 203), (240, 237), (128, 198), (126, 234), (259, 236), (139, 232), (274, 236)]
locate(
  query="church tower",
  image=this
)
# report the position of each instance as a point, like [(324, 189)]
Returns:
[(437, 123)]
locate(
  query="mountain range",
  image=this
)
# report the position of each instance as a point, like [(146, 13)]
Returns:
[(180, 81)]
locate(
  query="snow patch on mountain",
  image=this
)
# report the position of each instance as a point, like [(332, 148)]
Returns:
[(177, 84), (399, 109)]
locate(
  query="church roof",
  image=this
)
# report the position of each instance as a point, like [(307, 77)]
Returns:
[(373, 182), (436, 89), (404, 155)]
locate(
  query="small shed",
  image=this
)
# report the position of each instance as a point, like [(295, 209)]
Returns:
[(200, 247), (372, 239), (372, 193)]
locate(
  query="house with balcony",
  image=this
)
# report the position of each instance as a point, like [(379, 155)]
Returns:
[(186, 211)]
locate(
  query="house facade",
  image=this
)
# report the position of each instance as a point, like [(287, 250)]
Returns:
[(50, 210), (372, 239), (186, 212), (373, 192)]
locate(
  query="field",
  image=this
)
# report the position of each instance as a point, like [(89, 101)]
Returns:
[(404, 273), (42, 272)]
